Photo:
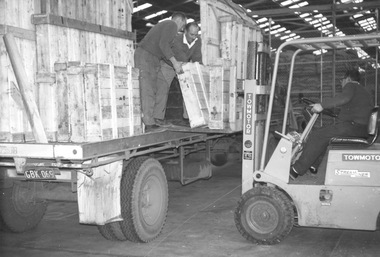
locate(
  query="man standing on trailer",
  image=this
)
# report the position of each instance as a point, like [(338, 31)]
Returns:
[(155, 46), (187, 47), (355, 109)]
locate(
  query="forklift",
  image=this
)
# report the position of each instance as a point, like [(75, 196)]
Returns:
[(344, 194)]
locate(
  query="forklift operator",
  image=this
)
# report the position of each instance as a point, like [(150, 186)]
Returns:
[(355, 104)]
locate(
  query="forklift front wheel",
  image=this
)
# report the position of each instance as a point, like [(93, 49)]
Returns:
[(264, 215)]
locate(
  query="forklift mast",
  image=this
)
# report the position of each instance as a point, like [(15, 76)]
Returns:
[(256, 92)]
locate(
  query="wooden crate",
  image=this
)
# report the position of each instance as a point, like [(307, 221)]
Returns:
[(90, 102), (195, 84), (226, 30), (50, 31), (211, 95)]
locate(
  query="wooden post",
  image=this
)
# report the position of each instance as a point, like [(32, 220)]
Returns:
[(25, 89)]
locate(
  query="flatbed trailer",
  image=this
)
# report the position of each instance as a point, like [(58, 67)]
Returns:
[(120, 184)]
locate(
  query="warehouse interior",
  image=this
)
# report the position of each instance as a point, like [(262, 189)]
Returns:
[(76, 46)]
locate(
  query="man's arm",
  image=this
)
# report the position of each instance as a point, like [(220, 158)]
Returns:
[(166, 38), (339, 100), (197, 54)]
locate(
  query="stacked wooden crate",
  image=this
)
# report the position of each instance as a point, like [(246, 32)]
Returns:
[(85, 102), (47, 32), (226, 31)]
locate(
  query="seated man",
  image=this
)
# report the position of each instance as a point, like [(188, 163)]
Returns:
[(355, 109)]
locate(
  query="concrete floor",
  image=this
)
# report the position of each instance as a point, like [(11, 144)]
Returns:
[(199, 223)]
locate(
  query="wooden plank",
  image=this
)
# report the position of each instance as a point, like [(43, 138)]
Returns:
[(39, 19), (76, 104), (122, 101), (236, 103), (73, 43), (104, 79), (18, 32), (47, 103), (92, 103), (60, 95), (113, 102), (44, 50), (216, 119), (130, 103)]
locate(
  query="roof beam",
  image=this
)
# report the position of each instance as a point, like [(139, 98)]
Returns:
[(310, 8)]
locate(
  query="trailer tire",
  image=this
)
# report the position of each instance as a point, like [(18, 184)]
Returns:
[(112, 231), (219, 159), (20, 211), (264, 215), (144, 199)]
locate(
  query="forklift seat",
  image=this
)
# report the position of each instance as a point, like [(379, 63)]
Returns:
[(373, 128)]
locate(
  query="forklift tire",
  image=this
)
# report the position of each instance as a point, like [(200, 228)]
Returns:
[(264, 215), (20, 211), (144, 199)]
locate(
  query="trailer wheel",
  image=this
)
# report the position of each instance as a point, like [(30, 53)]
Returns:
[(112, 231), (144, 199), (19, 209), (264, 215), (219, 159)]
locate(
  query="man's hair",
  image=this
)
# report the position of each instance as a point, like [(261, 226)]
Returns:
[(191, 24), (353, 73), (179, 15)]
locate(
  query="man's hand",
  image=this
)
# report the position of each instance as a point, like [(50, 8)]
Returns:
[(176, 65), (317, 108), (178, 68)]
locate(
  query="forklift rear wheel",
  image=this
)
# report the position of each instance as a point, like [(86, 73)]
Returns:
[(144, 199), (20, 210), (264, 215)]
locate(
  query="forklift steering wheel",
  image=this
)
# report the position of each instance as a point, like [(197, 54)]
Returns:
[(328, 112)]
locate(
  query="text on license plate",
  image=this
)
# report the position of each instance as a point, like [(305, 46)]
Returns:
[(36, 174)]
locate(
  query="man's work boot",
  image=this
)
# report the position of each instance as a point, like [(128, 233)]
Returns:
[(152, 128), (162, 123)]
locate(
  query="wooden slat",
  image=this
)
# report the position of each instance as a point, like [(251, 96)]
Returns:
[(92, 103), (217, 88), (76, 104), (18, 32), (47, 101), (39, 19)]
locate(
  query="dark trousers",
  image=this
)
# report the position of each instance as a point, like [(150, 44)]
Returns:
[(319, 139), (154, 88)]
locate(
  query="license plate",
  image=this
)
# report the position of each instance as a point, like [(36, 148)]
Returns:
[(40, 174)]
